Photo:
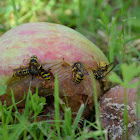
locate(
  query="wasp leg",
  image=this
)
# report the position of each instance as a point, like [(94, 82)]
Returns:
[(27, 61)]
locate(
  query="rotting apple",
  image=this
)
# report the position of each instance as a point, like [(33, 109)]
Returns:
[(57, 48), (112, 111)]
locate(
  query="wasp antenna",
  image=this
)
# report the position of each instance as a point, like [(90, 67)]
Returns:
[(64, 63), (111, 64), (24, 63), (110, 70), (63, 60)]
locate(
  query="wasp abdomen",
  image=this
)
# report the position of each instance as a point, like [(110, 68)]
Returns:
[(79, 77), (20, 72), (45, 74), (81, 122), (79, 72)]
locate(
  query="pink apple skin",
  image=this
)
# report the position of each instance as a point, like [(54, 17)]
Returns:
[(51, 43)]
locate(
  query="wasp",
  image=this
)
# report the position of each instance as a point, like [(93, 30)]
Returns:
[(34, 60), (32, 69), (45, 74), (21, 72), (79, 72), (81, 122), (100, 72), (37, 69), (34, 66)]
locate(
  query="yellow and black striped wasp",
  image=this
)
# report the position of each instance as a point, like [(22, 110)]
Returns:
[(37, 69), (100, 73), (34, 69), (34, 60), (31, 69), (20, 72), (34, 66), (79, 72), (45, 74), (81, 122), (80, 126)]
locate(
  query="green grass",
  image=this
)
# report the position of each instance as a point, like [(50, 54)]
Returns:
[(113, 26), (15, 125)]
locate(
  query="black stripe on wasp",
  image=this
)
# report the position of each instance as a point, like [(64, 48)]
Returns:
[(81, 122), (46, 74), (37, 69), (31, 69), (103, 70), (34, 69), (80, 126), (20, 73), (34, 66), (79, 72)]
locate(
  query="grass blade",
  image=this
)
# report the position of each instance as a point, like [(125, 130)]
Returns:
[(97, 113), (27, 104), (56, 104), (13, 100), (15, 11), (78, 116), (67, 122)]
